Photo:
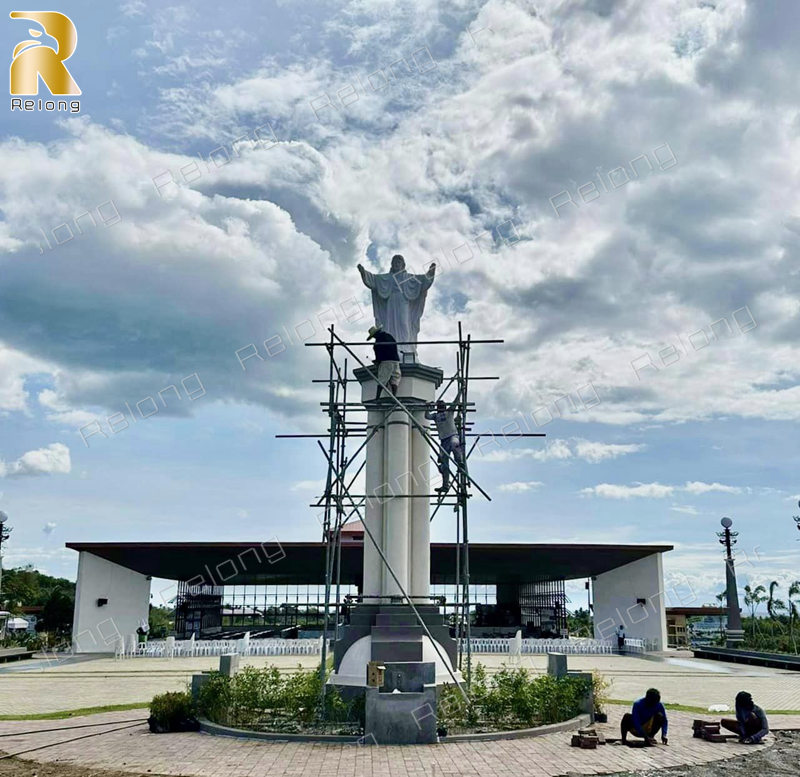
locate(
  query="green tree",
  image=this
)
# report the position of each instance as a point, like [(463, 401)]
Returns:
[(58, 611), (20, 587), (753, 597), (722, 600), (161, 622), (26, 587), (579, 623), (793, 603), (774, 606)]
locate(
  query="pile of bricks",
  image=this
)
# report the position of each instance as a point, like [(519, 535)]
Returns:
[(709, 731), (587, 739)]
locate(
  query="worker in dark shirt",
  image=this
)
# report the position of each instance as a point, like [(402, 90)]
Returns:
[(646, 719), (751, 721), (387, 359)]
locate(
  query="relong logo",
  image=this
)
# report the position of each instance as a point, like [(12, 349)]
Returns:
[(32, 59)]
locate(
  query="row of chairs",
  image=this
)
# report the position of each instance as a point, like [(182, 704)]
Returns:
[(541, 646), (172, 648)]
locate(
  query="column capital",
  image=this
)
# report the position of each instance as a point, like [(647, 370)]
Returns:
[(408, 370), (418, 382)]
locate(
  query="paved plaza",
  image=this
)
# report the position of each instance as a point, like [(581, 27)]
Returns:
[(122, 741), (133, 749), (50, 686)]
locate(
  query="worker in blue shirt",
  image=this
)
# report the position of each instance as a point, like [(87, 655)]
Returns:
[(646, 719)]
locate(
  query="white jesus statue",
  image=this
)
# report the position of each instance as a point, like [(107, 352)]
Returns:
[(398, 301)]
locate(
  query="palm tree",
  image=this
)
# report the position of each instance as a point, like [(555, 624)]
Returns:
[(722, 599), (774, 606), (753, 597), (794, 609)]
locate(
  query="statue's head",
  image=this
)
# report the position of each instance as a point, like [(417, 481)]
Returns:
[(398, 263)]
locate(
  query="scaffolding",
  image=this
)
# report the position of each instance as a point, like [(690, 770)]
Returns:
[(339, 505)]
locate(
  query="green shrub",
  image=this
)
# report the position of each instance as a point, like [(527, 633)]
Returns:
[(214, 698), (265, 699), (24, 640), (600, 688), (511, 699), (170, 711)]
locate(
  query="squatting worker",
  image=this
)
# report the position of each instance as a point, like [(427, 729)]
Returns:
[(387, 359), (449, 441), (646, 719), (751, 722)]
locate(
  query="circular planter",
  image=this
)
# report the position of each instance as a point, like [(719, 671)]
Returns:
[(553, 728)]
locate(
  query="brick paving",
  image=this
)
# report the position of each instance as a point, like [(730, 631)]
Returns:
[(45, 687), (137, 751)]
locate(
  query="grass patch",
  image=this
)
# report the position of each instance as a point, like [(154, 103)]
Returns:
[(701, 710), (61, 714)]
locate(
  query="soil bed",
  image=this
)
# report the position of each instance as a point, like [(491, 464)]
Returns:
[(780, 760), (14, 767)]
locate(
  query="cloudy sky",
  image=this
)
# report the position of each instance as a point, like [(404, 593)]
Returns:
[(608, 185)]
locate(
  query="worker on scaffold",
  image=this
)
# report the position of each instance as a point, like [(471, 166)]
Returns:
[(449, 440), (387, 360)]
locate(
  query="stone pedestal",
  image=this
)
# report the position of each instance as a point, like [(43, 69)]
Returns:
[(734, 638)]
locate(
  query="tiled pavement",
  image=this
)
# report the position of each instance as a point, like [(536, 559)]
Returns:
[(42, 687), (48, 687), (136, 750)]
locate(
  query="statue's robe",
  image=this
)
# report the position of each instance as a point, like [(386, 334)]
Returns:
[(398, 301)]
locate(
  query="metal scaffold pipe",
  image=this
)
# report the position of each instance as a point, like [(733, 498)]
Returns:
[(339, 503)]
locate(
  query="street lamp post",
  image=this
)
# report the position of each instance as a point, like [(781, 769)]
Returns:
[(734, 632), (5, 531)]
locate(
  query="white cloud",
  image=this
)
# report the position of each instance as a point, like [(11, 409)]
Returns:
[(598, 451), (49, 528), (316, 486), (657, 490), (15, 367), (698, 487), (54, 459), (687, 509), (520, 486), (560, 450), (640, 490)]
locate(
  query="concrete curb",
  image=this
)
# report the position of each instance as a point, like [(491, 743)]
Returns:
[(553, 728), (269, 736), (523, 733)]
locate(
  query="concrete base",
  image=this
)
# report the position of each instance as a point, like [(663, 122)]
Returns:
[(403, 710), (557, 664), (734, 638), (393, 636), (401, 718)]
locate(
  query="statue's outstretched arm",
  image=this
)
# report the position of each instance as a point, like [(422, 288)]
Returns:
[(367, 277)]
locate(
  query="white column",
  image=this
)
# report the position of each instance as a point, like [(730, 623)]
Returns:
[(373, 512), (396, 509), (420, 540)]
